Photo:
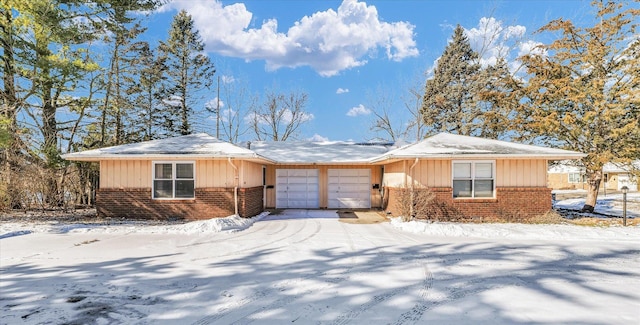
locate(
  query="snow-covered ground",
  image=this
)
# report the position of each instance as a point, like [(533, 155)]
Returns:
[(307, 267), (608, 205)]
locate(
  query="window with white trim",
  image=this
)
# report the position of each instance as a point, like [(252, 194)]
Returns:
[(173, 180), (473, 179), (575, 178)]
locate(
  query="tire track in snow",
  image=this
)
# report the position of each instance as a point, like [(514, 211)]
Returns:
[(330, 279), (413, 315), (282, 302), (313, 234), (222, 312), (263, 244), (278, 303), (255, 227)]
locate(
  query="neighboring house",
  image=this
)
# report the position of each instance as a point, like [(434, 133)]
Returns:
[(200, 177), (565, 175)]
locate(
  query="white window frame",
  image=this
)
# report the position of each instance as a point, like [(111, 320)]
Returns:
[(473, 178), (580, 178), (173, 179)]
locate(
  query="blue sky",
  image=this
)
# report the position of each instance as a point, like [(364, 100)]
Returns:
[(352, 57)]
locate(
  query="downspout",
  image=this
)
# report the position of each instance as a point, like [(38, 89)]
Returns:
[(235, 187), (412, 183)]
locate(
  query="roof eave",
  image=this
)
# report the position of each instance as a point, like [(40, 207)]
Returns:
[(164, 157), (483, 156), (322, 163)]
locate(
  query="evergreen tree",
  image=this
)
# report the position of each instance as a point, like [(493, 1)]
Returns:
[(121, 27), (498, 101), (189, 72), (146, 92), (450, 102), (582, 92), (44, 62)]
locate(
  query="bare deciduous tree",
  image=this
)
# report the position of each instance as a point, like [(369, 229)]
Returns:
[(236, 103), (280, 116), (401, 119)]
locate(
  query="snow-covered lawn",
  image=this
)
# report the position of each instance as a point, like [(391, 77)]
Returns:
[(610, 205), (307, 267)]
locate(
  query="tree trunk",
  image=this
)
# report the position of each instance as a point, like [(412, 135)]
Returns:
[(9, 106), (594, 177)]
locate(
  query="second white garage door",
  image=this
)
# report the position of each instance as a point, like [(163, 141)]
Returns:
[(297, 188), (349, 188)]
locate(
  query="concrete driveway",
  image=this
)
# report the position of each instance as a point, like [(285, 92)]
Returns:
[(307, 267)]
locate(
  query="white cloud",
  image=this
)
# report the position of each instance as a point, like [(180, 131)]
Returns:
[(227, 79), (342, 91), (327, 41), (532, 47), (213, 104), (226, 115), (287, 117), (492, 40), (173, 100), (358, 110), (318, 138)]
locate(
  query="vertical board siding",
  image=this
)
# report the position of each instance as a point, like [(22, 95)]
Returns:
[(521, 173), (209, 174), (437, 173), (427, 173), (215, 173), (251, 174), (394, 174), (125, 174)]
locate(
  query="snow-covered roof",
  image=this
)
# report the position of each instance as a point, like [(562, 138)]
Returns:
[(571, 167), (199, 145), (442, 145), (325, 152), (565, 168), (445, 145), (621, 168)]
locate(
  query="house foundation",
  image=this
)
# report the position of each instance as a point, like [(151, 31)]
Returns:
[(509, 203), (208, 203)]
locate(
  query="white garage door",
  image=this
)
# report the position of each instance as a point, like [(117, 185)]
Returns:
[(297, 188), (349, 188)]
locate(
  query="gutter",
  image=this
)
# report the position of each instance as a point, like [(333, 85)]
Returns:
[(384, 158), (79, 157), (235, 188), (412, 184)]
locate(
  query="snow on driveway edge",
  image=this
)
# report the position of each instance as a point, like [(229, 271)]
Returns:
[(518, 231), (227, 224)]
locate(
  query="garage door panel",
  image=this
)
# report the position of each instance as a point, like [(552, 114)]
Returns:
[(293, 195), (349, 188), (292, 187), (297, 188), (297, 172)]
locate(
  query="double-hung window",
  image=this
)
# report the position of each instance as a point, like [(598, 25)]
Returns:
[(173, 180), (575, 178), (473, 179)]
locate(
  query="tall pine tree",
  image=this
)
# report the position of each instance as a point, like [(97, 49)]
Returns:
[(189, 73), (147, 92), (121, 26), (450, 103)]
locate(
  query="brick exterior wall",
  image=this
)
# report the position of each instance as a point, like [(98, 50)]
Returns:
[(208, 203), (250, 201), (509, 202)]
